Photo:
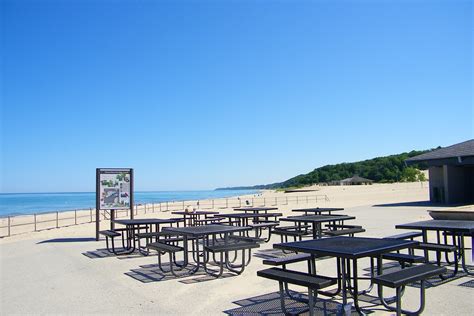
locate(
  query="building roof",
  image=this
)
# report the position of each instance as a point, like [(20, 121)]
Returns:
[(457, 152), (356, 178)]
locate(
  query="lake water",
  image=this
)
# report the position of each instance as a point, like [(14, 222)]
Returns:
[(29, 203)]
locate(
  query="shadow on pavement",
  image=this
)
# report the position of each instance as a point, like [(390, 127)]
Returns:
[(401, 204), (64, 240), (269, 304)]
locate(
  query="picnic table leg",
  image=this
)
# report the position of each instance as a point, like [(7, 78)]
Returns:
[(130, 242), (132, 238), (311, 301), (462, 254), (343, 281), (456, 265), (425, 240), (245, 222), (198, 261), (231, 267), (345, 278), (282, 298), (385, 301), (355, 288)]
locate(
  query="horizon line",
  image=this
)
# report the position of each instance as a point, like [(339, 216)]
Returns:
[(188, 190)]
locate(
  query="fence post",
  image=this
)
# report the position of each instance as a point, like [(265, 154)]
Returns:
[(286, 200), (35, 220), (264, 202), (75, 217), (167, 206), (9, 220), (160, 206), (153, 205), (226, 203), (297, 199), (90, 212), (183, 205), (145, 208), (57, 219)]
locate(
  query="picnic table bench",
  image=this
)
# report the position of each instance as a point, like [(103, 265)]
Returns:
[(408, 235), (283, 261), (209, 220), (285, 277), (223, 248), (171, 250), (111, 234), (399, 279), (345, 230), (403, 258)]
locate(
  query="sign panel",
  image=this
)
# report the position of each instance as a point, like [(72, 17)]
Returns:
[(114, 189)]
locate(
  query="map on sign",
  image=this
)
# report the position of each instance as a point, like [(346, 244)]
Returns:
[(114, 189)]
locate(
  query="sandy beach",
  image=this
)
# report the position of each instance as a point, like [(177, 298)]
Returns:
[(54, 271)]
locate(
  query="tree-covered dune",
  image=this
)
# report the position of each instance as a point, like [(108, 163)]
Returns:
[(381, 170)]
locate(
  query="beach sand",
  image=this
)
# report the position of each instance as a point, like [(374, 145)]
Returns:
[(47, 272)]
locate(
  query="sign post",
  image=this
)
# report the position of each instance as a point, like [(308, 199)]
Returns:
[(114, 191)]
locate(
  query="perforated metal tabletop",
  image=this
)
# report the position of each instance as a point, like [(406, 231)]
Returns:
[(441, 225), (347, 247)]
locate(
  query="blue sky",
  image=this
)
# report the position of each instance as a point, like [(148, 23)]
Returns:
[(196, 94)]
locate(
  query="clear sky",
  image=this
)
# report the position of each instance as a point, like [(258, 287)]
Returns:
[(197, 95)]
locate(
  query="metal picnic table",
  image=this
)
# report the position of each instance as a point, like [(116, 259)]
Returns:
[(132, 225), (244, 218), (458, 230), (200, 235), (260, 221), (317, 220), (318, 210), (191, 216), (255, 210), (347, 250)]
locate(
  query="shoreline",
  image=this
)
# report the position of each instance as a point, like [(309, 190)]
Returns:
[(340, 196), (29, 223), (140, 202)]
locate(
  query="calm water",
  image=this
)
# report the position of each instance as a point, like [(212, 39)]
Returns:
[(29, 203)]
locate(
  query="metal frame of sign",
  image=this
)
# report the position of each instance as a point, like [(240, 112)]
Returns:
[(99, 172)]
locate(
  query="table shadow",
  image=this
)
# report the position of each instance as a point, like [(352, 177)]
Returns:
[(269, 304), (402, 204), (104, 253), (64, 240)]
